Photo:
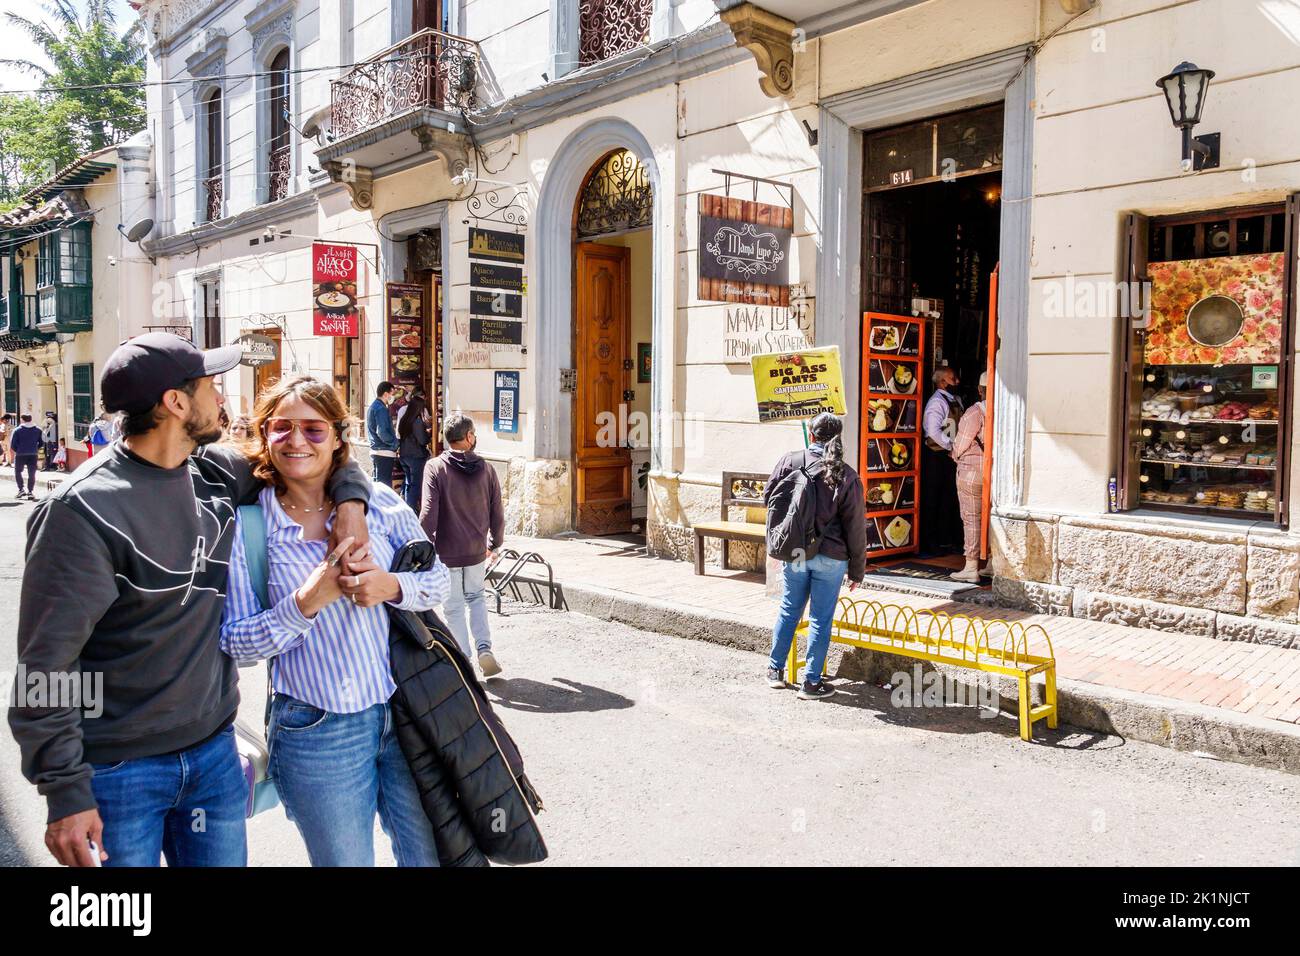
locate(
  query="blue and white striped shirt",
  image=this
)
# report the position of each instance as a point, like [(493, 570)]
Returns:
[(337, 660)]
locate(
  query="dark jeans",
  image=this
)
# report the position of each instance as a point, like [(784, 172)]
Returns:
[(383, 468), (51, 449), (941, 528), (413, 480), (28, 462), (187, 806)]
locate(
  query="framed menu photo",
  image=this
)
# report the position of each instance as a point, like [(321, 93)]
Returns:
[(405, 305)]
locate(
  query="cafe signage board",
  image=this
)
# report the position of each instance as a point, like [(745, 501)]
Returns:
[(405, 307), (796, 386), (744, 251), (497, 288), (258, 350), (334, 289)]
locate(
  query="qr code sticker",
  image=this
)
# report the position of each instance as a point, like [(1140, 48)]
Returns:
[(506, 404)]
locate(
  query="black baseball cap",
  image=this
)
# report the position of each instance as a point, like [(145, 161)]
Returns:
[(141, 369)]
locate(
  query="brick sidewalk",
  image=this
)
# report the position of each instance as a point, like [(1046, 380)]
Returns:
[(1250, 679)]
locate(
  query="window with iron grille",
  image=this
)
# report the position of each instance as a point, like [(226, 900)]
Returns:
[(83, 399), (278, 155), (607, 28)]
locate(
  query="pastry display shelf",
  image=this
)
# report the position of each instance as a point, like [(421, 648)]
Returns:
[(1211, 421), (1212, 510), (1206, 464)]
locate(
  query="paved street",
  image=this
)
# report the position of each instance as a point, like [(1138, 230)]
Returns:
[(658, 750)]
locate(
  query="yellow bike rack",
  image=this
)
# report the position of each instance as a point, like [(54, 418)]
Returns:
[(943, 638)]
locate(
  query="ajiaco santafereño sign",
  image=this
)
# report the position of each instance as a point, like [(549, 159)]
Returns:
[(744, 251)]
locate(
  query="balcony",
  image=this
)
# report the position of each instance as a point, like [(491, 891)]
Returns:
[(405, 100), (63, 308), (20, 319), (280, 167)]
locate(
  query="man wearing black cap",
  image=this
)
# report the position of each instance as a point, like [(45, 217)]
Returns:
[(125, 584)]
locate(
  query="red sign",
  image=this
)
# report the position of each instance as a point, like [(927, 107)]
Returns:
[(334, 288)]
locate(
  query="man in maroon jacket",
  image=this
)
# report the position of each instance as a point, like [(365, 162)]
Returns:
[(463, 517)]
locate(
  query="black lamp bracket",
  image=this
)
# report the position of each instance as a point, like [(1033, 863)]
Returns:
[(1200, 152)]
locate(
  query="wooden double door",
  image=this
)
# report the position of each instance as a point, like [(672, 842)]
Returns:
[(602, 401)]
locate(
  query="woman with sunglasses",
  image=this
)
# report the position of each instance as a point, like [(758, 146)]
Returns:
[(335, 757)]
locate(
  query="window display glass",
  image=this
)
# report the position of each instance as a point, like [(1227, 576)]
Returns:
[(1210, 415)]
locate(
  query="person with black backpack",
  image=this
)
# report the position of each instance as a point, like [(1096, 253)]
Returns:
[(816, 524)]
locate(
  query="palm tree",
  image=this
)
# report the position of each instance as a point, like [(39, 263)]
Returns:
[(95, 71)]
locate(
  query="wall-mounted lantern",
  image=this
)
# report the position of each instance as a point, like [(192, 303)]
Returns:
[(1184, 88)]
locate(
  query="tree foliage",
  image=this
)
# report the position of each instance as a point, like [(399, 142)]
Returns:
[(91, 97)]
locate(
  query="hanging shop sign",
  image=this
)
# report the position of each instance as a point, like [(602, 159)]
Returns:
[(744, 251), (497, 246), (334, 289), (757, 329), (792, 386), (497, 305), (258, 350), (496, 331), (487, 275), (505, 402), (405, 304)]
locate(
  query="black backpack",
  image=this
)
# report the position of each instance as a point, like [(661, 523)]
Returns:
[(792, 532)]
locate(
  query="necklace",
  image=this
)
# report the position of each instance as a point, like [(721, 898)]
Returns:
[(284, 501)]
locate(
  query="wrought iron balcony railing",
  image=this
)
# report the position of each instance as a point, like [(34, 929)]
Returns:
[(278, 173), (212, 198), (428, 69)]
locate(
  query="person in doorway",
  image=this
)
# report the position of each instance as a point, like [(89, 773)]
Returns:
[(379, 429), (128, 770), (968, 453), (61, 456), (25, 443), (815, 582), (414, 432), (941, 527), (6, 426), (463, 517), (335, 757), (50, 439)]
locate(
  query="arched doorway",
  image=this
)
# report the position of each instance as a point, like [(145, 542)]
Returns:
[(612, 334)]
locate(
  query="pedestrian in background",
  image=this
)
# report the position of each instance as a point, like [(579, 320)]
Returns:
[(379, 429), (6, 426), (50, 438), (968, 453), (414, 432), (25, 442), (463, 517), (940, 529), (61, 456), (814, 582)]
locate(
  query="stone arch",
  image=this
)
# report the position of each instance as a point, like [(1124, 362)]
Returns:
[(564, 177)]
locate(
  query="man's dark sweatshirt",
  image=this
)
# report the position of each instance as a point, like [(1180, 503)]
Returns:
[(126, 576), (462, 507)]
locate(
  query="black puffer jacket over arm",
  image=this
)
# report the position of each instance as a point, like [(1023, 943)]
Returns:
[(467, 768)]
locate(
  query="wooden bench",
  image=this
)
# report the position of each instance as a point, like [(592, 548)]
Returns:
[(740, 489), (1004, 648)]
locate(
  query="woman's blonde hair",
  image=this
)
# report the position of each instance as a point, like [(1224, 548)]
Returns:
[(315, 393)]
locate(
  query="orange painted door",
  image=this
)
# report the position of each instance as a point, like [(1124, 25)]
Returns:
[(603, 461)]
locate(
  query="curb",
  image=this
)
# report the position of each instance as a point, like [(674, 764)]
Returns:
[(1191, 728)]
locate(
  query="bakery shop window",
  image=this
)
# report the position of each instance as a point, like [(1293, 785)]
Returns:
[(1209, 371)]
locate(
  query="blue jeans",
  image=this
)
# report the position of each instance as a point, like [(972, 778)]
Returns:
[(819, 578), (334, 771), (466, 594), (413, 480), (383, 468), (187, 806)]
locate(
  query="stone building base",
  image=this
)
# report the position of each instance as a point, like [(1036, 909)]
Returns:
[(1191, 578), (675, 504)]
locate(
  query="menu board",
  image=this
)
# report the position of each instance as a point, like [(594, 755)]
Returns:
[(405, 304), (893, 346), (496, 299)]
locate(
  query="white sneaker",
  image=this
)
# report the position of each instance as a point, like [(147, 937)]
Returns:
[(487, 663)]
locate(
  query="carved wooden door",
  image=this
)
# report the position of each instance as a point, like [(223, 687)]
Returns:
[(603, 461)]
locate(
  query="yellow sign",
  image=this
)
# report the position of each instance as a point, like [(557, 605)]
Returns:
[(794, 385)]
